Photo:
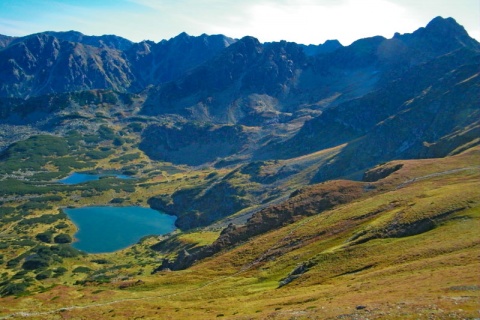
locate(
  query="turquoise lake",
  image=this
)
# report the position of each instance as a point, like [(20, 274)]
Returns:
[(76, 178), (108, 229)]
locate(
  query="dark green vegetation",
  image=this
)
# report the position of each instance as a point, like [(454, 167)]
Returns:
[(308, 182)]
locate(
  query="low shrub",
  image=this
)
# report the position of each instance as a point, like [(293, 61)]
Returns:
[(100, 261), (61, 225), (59, 272), (82, 270), (46, 219), (13, 288), (45, 274), (13, 263), (65, 251), (62, 238), (46, 237), (6, 211), (35, 263)]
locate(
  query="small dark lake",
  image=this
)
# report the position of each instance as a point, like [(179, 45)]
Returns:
[(76, 178), (108, 229)]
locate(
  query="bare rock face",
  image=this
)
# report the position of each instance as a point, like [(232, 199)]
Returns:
[(41, 64), (197, 208), (380, 172)]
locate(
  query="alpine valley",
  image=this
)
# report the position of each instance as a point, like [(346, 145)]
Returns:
[(308, 182)]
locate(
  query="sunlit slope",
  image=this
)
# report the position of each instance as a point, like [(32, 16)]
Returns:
[(409, 249)]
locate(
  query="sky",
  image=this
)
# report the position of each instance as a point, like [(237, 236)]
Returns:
[(301, 21)]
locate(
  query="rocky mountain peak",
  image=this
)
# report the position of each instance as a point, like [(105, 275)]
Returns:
[(441, 24), (331, 45), (450, 30), (182, 35), (442, 34), (249, 45)]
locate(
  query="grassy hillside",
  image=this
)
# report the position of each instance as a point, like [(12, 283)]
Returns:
[(406, 249)]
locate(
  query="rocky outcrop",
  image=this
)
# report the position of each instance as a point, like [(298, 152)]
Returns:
[(396, 228), (380, 172), (295, 273), (305, 202), (196, 207)]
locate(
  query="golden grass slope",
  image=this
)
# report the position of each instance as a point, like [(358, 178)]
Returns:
[(409, 251)]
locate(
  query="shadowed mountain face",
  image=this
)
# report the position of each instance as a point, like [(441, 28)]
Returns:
[(441, 118), (56, 62), (357, 117), (221, 90), (342, 94), (216, 99), (233, 87), (5, 40), (377, 100), (155, 63), (41, 64)]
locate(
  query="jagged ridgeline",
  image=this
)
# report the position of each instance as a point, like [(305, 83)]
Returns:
[(314, 181)]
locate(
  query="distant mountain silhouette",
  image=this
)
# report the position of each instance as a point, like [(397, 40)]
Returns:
[(55, 62), (261, 101)]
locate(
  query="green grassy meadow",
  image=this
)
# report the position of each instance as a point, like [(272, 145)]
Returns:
[(408, 248)]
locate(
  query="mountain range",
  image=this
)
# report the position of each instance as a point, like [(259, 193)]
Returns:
[(217, 101), (307, 180)]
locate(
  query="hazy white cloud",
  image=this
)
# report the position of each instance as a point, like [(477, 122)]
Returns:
[(13, 27), (304, 21), (317, 21)]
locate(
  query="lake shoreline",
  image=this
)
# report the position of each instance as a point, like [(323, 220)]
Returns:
[(106, 229), (84, 177)]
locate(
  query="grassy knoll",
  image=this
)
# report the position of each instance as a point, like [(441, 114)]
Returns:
[(190, 241)]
